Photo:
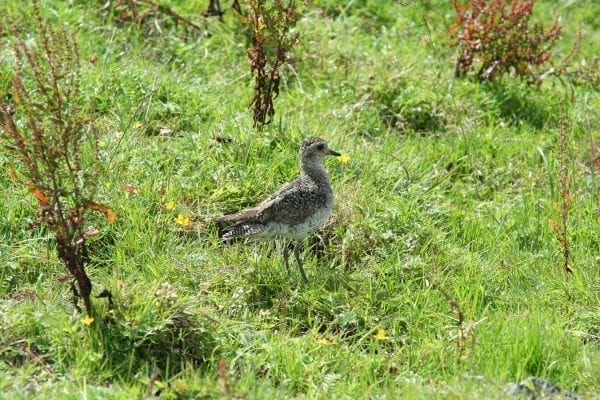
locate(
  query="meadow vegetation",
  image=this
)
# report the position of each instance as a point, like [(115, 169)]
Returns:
[(464, 249)]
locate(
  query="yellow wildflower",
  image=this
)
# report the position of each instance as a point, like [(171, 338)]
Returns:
[(170, 205), (87, 320), (182, 220), (137, 125), (381, 335), (343, 159)]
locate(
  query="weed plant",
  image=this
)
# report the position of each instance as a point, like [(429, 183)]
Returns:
[(47, 132)]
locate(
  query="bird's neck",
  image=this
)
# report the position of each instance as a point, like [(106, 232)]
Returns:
[(315, 170)]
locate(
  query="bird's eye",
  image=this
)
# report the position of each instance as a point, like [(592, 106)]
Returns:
[(321, 146)]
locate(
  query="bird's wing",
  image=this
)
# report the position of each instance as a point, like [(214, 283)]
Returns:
[(288, 187), (288, 204), (284, 205), (240, 216), (251, 213)]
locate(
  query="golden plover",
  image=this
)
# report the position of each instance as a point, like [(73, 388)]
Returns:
[(297, 209)]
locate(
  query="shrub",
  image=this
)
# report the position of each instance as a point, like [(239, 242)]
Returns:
[(270, 25), (495, 36), (53, 143)]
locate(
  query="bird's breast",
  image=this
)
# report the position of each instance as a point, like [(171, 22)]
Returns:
[(315, 221)]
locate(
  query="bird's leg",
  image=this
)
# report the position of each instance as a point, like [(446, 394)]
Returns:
[(297, 249), (286, 255)]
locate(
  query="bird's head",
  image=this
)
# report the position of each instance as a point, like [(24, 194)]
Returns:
[(313, 148)]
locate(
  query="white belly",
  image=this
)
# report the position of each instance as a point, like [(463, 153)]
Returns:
[(299, 231)]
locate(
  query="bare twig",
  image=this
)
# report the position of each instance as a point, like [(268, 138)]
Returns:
[(171, 13), (461, 335), (564, 181)]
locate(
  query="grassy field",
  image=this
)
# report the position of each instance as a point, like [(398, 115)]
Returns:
[(438, 276)]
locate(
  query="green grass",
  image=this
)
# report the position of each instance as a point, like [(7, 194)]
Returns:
[(453, 199)]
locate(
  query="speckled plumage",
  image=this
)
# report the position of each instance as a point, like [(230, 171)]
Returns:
[(295, 210)]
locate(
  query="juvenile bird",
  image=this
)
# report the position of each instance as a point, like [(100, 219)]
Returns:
[(297, 209)]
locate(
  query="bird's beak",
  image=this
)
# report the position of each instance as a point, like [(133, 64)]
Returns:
[(333, 153)]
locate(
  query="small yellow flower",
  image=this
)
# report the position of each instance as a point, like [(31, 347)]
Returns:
[(381, 335), (87, 320), (343, 159), (182, 220), (170, 205), (101, 143), (137, 125)]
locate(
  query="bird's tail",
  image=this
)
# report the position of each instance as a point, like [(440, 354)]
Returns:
[(240, 230)]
